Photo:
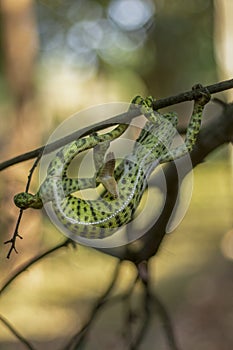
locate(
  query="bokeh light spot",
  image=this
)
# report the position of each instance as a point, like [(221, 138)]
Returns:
[(131, 14)]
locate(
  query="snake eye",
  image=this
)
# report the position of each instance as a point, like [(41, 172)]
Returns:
[(21, 200), (25, 200)]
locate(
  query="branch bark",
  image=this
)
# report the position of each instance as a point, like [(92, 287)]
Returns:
[(123, 118)]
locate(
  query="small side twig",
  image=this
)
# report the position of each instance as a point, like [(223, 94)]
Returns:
[(16, 333), (16, 234)]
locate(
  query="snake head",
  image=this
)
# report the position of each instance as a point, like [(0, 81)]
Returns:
[(25, 200)]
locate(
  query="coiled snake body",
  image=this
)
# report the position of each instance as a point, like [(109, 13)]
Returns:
[(124, 184)]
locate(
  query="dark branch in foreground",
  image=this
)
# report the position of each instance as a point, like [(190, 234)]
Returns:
[(152, 302), (167, 324), (123, 118), (31, 262), (78, 340), (16, 333)]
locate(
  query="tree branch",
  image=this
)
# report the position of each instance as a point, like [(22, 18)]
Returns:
[(123, 118), (190, 95), (16, 333)]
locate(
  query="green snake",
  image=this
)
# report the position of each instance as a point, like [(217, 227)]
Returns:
[(125, 184)]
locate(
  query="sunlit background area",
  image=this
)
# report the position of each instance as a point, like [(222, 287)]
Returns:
[(60, 57)]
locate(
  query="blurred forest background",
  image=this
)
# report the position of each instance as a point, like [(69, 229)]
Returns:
[(58, 57)]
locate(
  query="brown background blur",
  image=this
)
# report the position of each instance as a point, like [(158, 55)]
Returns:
[(59, 57)]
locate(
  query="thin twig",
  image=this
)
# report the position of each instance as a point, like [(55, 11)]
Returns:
[(16, 333), (144, 277), (127, 329), (16, 234), (80, 337), (123, 118), (150, 301), (167, 323)]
